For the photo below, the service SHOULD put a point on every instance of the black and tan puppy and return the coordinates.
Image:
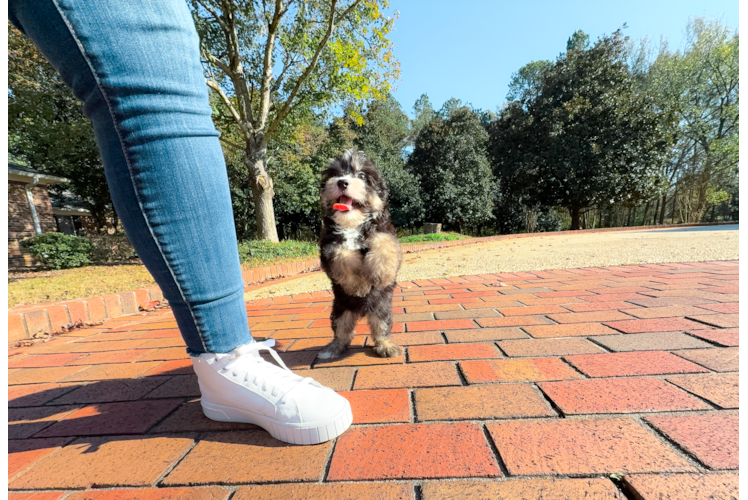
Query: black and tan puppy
(359, 252)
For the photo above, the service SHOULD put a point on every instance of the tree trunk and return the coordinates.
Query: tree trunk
(574, 217)
(675, 200)
(654, 214)
(644, 218)
(262, 190)
(662, 210)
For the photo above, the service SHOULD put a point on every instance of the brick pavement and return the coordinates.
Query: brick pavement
(524, 385)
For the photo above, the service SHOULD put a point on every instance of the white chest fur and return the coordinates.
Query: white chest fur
(351, 238)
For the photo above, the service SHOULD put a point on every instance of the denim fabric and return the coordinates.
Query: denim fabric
(135, 65)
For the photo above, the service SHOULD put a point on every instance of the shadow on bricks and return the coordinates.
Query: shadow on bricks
(107, 411)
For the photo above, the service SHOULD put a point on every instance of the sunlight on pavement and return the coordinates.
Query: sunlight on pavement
(690, 244)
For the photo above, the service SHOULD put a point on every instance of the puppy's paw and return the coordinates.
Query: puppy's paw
(381, 280)
(387, 349)
(332, 350)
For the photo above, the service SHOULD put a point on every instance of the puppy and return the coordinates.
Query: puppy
(359, 252)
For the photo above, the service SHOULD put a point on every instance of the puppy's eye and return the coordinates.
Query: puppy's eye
(361, 176)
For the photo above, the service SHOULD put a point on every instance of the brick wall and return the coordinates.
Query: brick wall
(20, 222)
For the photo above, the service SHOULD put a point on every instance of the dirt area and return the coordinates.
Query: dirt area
(551, 251)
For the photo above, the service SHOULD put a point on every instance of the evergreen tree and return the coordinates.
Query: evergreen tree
(454, 173)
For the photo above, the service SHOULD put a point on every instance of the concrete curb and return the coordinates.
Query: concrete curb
(27, 321)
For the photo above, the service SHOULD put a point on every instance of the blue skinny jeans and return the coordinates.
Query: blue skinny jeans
(135, 65)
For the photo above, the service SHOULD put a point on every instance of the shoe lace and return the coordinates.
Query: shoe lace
(282, 379)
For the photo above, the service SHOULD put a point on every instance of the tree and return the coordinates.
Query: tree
(48, 130)
(454, 174)
(578, 41)
(383, 135)
(526, 82)
(590, 135)
(423, 112)
(701, 85)
(272, 63)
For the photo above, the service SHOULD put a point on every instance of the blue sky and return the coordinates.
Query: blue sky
(470, 52)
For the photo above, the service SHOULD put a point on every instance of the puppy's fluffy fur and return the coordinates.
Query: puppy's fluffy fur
(359, 252)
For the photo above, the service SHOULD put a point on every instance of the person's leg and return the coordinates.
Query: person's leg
(136, 67)
(135, 64)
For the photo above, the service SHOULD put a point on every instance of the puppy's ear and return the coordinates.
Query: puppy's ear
(382, 189)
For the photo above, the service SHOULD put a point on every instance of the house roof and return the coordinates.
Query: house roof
(67, 204)
(21, 173)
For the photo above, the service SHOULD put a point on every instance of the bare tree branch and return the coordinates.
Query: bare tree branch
(234, 113)
(286, 108)
(212, 12)
(287, 64)
(231, 144)
(267, 65)
(238, 78)
(221, 65)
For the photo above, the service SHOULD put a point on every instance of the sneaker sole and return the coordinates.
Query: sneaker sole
(302, 433)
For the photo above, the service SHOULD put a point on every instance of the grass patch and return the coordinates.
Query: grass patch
(38, 287)
(264, 253)
(417, 238)
(80, 283)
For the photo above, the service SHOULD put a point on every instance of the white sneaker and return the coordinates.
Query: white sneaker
(240, 386)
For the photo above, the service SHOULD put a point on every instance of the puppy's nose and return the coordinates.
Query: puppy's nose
(342, 184)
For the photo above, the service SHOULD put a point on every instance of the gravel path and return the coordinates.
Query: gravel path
(550, 252)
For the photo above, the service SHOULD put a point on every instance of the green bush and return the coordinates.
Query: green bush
(264, 252)
(417, 238)
(60, 251)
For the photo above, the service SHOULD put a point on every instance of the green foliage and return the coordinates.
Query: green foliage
(416, 238)
(548, 220)
(423, 112)
(526, 83)
(578, 41)
(48, 130)
(701, 86)
(356, 62)
(590, 136)
(274, 66)
(382, 136)
(259, 252)
(60, 251)
(454, 174)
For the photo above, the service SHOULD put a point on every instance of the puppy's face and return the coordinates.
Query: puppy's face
(352, 190)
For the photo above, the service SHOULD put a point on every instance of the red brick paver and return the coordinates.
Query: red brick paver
(481, 402)
(719, 360)
(684, 486)
(348, 491)
(209, 493)
(718, 388)
(548, 347)
(711, 437)
(537, 488)
(447, 352)
(582, 446)
(552, 375)
(619, 395)
(379, 406)
(263, 459)
(103, 462)
(413, 451)
(429, 375)
(632, 363)
(517, 370)
(727, 338)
